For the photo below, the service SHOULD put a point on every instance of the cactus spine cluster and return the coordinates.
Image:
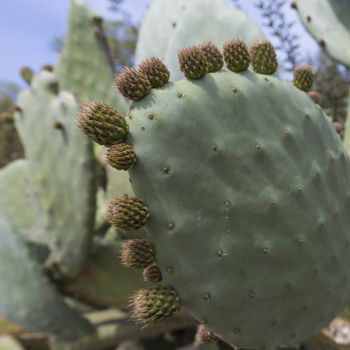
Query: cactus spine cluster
(227, 167)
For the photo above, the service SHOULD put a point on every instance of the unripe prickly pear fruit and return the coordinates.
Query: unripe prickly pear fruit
(132, 84)
(102, 123)
(315, 96)
(303, 77)
(152, 274)
(155, 304)
(193, 62)
(127, 213)
(213, 57)
(236, 55)
(27, 74)
(121, 156)
(155, 71)
(137, 253)
(263, 56)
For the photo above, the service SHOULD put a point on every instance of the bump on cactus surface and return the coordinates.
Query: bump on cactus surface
(128, 213)
(121, 156)
(236, 55)
(102, 123)
(133, 84)
(213, 57)
(303, 77)
(137, 253)
(193, 62)
(204, 335)
(152, 274)
(263, 56)
(155, 304)
(155, 71)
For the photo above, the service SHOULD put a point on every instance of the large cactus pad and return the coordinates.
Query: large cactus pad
(243, 186)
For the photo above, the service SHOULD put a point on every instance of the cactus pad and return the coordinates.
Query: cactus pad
(83, 68)
(61, 168)
(253, 196)
(329, 22)
(18, 201)
(27, 298)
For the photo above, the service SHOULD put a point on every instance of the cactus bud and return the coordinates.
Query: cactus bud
(27, 74)
(303, 78)
(152, 274)
(47, 67)
(102, 123)
(133, 84)
(263, 56)
(204, 335)
(121, 156)
(155, 304)
(193, 62)
(156, 72)
(213, 57)
(127, 213)
(337, 127)
(315, 96)
(137, 253)
(236, 55)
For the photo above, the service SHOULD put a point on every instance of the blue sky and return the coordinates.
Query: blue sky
(28, 26)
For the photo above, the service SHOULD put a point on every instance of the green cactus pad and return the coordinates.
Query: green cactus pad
(83, 67)
(249, 201)
(18, 201)
(27, 298)
(61, 168)
(158, 25)
(208, 20)
(329, 22)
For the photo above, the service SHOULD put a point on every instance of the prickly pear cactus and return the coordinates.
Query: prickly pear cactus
(27, 298)
(242, 185)
(174, 25)
(62, 168)
(329, 22)
(83, 68)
